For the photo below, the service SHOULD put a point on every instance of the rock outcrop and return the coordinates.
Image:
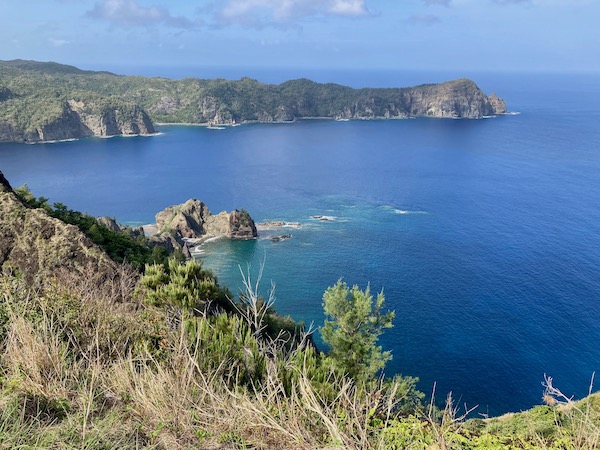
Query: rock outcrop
(498, 104)
(171, 241)
(109, 223)
(39, 247)
(113, 120)
(241, 225)
(112, 225)
(78, 120)
(454, 99)
(193, 220)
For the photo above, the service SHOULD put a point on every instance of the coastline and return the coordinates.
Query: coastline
(335, 119)
(57, 141)
(220, 126)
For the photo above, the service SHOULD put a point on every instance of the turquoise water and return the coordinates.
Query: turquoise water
(484, 235)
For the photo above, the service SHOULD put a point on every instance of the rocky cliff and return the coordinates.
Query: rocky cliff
(193, 220)
(39, 247)
(78, 119)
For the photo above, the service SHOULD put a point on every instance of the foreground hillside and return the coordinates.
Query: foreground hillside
(166, 358)
(49, 101)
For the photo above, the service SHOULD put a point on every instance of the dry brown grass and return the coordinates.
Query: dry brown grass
(179, 402)
(82, 368)
(78, 351)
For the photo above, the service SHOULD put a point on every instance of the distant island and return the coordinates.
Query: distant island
(47, 101)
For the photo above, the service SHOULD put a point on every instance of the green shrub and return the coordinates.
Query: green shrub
(185, 285)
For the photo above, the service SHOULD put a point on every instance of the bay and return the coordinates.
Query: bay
(483, 234)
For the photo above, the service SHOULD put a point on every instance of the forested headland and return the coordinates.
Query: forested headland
(48, 101)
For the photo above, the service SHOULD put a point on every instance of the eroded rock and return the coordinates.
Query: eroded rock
(193, 220)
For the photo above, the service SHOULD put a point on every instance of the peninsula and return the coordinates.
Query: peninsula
(47, 101)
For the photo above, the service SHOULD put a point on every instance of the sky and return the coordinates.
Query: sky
(469, 35)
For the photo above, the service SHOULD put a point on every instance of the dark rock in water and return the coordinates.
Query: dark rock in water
(279, 224)
(283, 237)
(323, 218)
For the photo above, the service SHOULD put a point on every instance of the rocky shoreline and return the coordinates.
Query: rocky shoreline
(277, 224)
(186, 226)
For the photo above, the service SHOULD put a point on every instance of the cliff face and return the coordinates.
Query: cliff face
(497, 104)
(454, 99)
(79, 120)
(192, 219)
(113, 121)
(39, 247)
(241, 225)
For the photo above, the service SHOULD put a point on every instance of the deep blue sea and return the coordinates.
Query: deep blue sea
(483, 234)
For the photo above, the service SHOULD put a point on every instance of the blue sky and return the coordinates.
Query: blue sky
(469, 35)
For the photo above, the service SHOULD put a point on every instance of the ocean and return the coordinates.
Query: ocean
(483, 234)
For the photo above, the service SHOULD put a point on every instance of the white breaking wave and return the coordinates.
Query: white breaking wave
(324, 218)
(408, 212)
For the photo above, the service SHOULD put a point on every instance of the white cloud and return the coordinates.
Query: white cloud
(130, 13)
(348, 7)
(58, 42)
(261, 12)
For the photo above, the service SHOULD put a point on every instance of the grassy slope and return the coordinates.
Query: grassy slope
(80, 369)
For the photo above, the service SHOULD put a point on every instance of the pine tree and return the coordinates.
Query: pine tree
(352, 328)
